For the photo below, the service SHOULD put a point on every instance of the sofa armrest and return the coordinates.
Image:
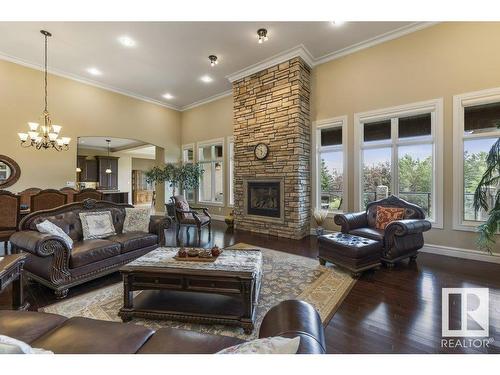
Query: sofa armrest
(405, 227)
(294, 318)
(351, 221)
(40, 244)
(158, 225)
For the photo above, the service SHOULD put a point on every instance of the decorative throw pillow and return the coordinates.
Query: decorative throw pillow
(9, 345)
(136, 220)
(184, 206)
(49, 227)
(268, 345)
(97, 225)
(386, 215)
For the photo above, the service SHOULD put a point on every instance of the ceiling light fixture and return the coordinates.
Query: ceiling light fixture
(262, 34)
(94, 71)
(47, 135)
(213, 60)
(168, 96)
(206, 79)
(127, 41)
(337, 23)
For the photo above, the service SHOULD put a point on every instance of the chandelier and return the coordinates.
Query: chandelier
(47, 135)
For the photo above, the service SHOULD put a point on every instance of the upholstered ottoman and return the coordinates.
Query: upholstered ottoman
(357, 254)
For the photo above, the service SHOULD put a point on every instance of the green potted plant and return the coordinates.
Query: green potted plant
(482, 198)
(184, 176)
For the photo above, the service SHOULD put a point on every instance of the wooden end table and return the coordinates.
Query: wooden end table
(11, 272)
(223, 292)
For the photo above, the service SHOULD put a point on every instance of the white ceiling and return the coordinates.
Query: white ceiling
(170, 57)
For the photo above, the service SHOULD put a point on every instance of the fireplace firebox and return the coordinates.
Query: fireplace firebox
(264, 198)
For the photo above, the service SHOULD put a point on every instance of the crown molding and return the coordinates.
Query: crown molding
(86, 81)
(382, 38)
(207, 100)
(298, 51)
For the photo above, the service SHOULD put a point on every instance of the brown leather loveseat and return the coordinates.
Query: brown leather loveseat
(52, 264)
(88, 336)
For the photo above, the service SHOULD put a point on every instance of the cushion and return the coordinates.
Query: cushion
(91, 251)
(134, 240)
(136, 220)
(48, 227)
(203, 218)
(269, 345)
(9, 345)
(371, 233)
(27, 326)
(386, 215)
(183, 205)
(97, 225)
(88, 336)
(181, 341)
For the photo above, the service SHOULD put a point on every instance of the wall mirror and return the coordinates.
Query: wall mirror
(9, 172)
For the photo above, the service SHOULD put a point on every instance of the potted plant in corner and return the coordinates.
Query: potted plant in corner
(185, 176)
(487, 197)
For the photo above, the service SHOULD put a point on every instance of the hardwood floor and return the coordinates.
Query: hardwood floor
(388, 311)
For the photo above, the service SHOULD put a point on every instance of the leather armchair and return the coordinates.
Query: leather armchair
(400, 239)
(187, 216)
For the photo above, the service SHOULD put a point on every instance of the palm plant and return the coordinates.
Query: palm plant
(491, 177)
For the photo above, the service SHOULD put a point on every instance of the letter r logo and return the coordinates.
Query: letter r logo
(471, 306)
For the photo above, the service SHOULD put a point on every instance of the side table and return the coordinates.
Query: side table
(11, 272)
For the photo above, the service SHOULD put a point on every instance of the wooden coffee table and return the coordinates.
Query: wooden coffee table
(223, 292)
(11, 272)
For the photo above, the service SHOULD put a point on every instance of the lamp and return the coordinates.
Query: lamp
(262, 34)
(47, 135)
(108, 170)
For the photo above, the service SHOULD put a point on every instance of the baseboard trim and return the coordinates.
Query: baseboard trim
(218, 217)
(456, 252)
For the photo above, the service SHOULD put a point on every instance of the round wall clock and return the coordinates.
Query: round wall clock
(261, 151)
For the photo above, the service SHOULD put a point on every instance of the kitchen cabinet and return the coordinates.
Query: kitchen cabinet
(107, 181)
(88, 169)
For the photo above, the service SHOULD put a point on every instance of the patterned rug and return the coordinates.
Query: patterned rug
(285, 276)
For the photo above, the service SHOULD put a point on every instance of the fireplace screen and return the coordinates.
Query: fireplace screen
(264, 198)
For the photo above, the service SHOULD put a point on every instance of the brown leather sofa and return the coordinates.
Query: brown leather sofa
(52, 264)
(400, 239)
(88, 336)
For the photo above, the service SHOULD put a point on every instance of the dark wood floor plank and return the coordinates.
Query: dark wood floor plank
(387, 311)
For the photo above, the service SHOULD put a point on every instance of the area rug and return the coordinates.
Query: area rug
(285, 276)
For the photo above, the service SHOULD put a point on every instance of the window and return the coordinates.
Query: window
(330, 164)
(211, 159)
(475, 117)
(398, 155)
(231, 170)
(188, 158)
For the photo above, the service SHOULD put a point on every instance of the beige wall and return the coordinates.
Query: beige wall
(440, 61)
(141, 164)
(82, 110)
(210, 121)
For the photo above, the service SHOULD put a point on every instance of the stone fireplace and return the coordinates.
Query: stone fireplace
(273, 196)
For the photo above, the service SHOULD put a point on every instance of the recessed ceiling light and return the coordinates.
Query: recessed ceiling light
(127, 41)
(206, 79)
(168, 96)
(94, 71)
